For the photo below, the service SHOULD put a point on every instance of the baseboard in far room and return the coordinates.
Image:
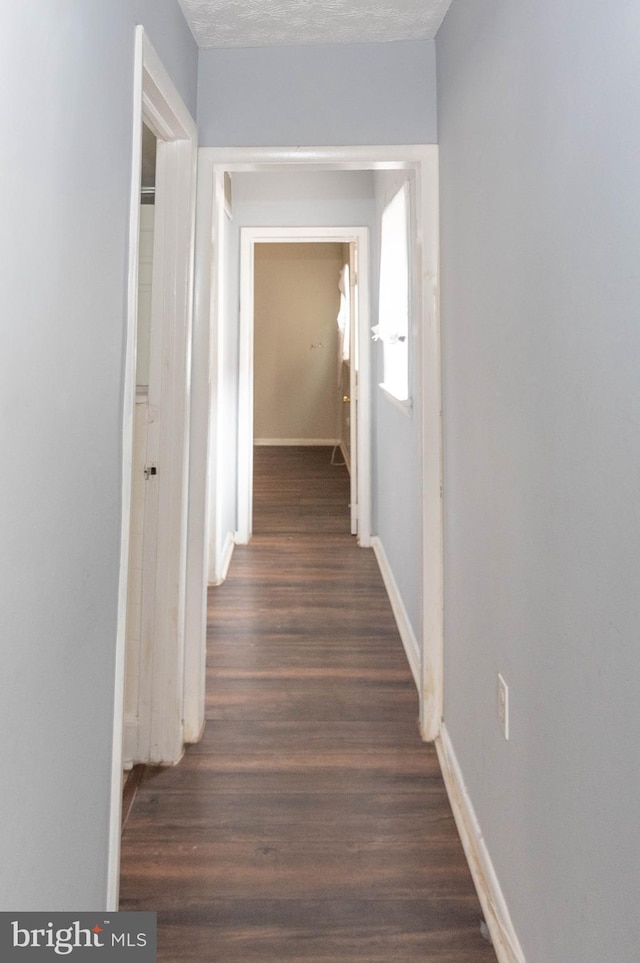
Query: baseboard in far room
(297, 442)
(223, 563)
(405, 629)
(496, 914)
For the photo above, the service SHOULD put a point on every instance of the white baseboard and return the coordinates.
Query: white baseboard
(290, 442)
(223, 563)
(496, 914)
(405, 629)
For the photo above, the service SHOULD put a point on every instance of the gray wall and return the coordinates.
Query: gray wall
(540, 144)
(397, 451)
(65, 156)
(328, 94)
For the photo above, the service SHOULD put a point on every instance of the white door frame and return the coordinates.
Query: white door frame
(423, 159)
(249, 237)
(162, 692)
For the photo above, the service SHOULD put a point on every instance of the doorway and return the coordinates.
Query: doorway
(356, 242)
(302, 359)
(217, 410)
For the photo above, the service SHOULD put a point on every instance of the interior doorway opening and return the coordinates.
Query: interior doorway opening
(214, 494)
(298, 352)
(325, 361)
(302, 411)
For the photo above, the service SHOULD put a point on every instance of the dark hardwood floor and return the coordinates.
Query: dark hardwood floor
(311, 824)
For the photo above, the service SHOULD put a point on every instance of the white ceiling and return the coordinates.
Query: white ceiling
(262, 23)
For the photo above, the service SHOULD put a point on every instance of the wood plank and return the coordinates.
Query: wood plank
(194, 872)
(323, 931)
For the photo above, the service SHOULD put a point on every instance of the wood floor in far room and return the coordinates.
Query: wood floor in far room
(311, 824)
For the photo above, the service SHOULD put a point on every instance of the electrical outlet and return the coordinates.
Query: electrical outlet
(503, 706)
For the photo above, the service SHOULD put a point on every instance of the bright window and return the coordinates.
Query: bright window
(393, 317)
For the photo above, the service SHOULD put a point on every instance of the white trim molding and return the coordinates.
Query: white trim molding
(336, 158)
(432, 647)
(496, 913)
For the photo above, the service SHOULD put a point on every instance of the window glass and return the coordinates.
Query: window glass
(393, 317)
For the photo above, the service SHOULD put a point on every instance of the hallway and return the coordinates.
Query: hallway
(311, 824)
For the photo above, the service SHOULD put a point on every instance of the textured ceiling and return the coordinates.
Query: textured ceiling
(261, 23)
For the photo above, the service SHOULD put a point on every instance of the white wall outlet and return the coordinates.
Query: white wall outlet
(503, 706)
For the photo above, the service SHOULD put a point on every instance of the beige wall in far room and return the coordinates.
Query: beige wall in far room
(296, 393)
